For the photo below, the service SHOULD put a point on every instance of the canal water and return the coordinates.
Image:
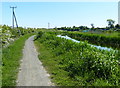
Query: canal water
(98, 47)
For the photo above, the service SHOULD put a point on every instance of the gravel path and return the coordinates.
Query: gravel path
(32, 73)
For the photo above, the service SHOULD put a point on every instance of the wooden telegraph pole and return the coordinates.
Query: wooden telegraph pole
(48, 25)
(14, 17)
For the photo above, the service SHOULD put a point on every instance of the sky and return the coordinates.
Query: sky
(59, 14)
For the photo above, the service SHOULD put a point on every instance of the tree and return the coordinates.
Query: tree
(110, 23)
(92, 25)
(117, 26)
(83, 27)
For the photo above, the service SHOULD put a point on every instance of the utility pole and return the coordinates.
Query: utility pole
(14, 17)
(48, 25)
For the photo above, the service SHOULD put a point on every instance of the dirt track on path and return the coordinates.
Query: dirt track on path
(32, 73)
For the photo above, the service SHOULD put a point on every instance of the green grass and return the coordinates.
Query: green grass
(0, 76)
(58, 76)
(0, 73)
(77, 64)
(11, 56)
(104, 39)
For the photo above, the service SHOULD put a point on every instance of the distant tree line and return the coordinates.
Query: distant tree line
(110, 27)
(73, 28)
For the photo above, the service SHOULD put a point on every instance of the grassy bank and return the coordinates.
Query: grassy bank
(49, 61)
(0, 66)
(77, 64)
(11, 56)
(105, 39)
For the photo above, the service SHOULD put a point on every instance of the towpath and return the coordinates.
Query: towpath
(32, 73)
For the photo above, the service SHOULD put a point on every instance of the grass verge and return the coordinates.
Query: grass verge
(58, 76)
(11, 56)
(0, 66)
(77, 64)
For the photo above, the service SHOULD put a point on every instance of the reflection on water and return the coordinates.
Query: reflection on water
(99, 47)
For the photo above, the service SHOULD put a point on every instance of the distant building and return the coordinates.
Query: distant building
(119, 12)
